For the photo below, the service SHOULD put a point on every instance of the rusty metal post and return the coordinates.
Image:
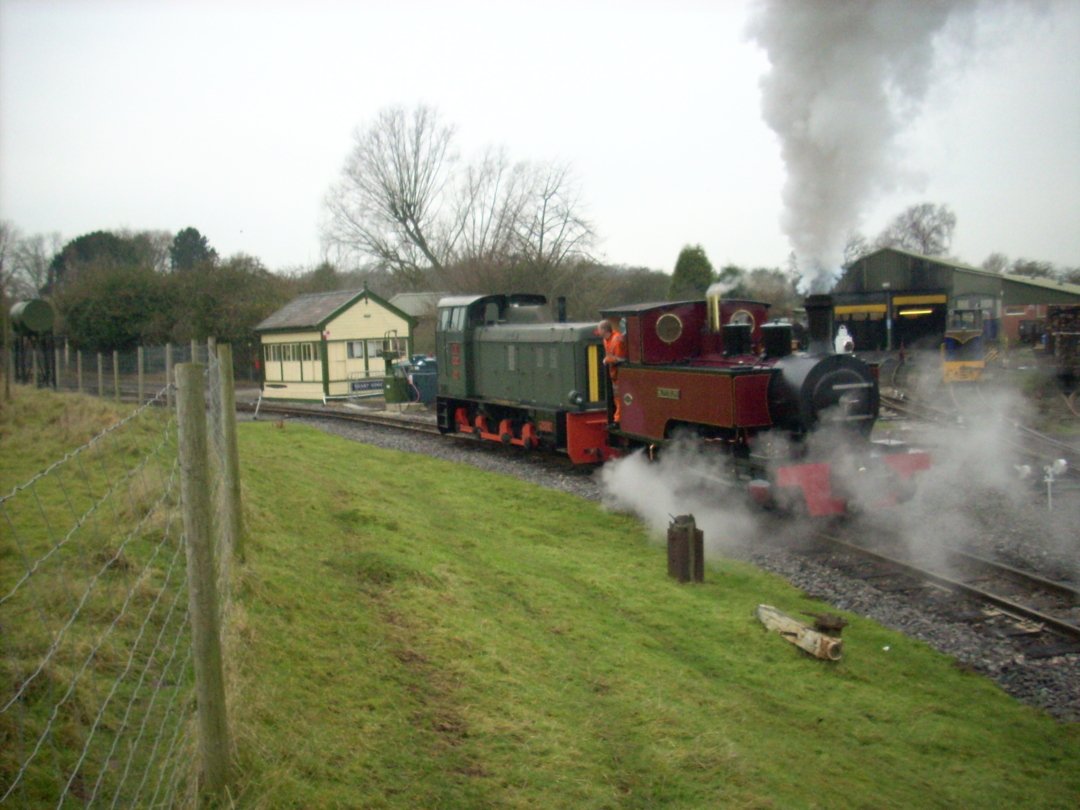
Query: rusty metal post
(686, 550)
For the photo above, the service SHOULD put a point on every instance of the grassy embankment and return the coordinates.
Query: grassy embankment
(415, 634)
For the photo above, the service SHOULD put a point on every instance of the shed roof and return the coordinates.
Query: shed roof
(417, 304)
(315, 310)
(1043, 283)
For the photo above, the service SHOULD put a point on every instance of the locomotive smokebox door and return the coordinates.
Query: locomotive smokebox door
(686, 552)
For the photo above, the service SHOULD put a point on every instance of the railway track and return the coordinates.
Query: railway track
(998, 599)
(382, 419)
(1040, 449)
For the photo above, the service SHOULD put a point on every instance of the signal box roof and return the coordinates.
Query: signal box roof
(314, 311)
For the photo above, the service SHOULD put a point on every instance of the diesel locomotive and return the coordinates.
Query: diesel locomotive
(714, 370)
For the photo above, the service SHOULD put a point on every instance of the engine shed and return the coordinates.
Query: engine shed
(332, 345)
(892, 299)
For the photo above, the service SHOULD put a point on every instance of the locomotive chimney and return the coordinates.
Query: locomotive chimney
(560, 309)
(819, 316)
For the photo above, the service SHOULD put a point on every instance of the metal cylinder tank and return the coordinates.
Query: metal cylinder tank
(33, 317)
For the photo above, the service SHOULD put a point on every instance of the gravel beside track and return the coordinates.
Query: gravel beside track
(1016, 530)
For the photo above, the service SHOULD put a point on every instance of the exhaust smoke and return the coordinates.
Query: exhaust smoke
(845, 78)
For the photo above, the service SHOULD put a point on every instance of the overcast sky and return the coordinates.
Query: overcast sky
(235, 117)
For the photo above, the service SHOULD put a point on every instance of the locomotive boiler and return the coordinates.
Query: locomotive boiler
(713, 370)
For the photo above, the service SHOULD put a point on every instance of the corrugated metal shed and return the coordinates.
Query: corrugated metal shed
(891, 268)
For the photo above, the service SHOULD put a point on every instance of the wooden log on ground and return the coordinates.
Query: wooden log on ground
(800, 634)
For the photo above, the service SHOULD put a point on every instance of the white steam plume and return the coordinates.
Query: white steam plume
(846, 75)
(686, 480)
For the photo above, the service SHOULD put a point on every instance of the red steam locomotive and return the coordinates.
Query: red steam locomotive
(795, 425)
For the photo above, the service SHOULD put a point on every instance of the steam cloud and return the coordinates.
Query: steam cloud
(845, 77)
(687, 479)
(972, 485)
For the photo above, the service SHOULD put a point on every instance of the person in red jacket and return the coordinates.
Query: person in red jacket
(614, 354)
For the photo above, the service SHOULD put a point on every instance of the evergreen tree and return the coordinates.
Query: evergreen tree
(693, 274)
(190, 249)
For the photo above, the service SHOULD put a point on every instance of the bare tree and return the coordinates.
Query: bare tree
(924, 228)
(405, 202)
(491, 202)
(996, 263)
(855, 248)
(552, 232)
(8, 236)
(31, 259)
(1033, 269)
(387, 203)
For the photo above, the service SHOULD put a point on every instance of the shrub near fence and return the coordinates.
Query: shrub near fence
(113, 581)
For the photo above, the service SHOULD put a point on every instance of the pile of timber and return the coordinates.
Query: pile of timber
(1063, 327)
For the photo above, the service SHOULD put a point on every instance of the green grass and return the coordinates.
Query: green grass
(407, 633)
(416, 634)
(85, 556)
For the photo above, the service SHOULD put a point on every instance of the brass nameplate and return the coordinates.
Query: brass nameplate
(667, 393)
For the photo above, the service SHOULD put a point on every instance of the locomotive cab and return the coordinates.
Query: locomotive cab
(459, 318)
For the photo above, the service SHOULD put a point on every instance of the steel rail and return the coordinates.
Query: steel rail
(1006, 605)
(382, 420)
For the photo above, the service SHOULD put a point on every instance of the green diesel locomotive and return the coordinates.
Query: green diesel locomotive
(508, 372)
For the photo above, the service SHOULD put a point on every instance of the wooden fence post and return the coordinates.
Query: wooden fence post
(139, 362)
(202, 594)
(56, 376)
(233, 521)
(168, 376)
(9, 351)
(78, 369)
(9, 368)
(116, 374)
(686, 559)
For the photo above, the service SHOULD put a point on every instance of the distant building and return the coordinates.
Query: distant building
(892, 298)
(423, 307)
(330, 345)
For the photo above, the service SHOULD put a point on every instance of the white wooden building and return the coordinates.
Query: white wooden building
(332, 345)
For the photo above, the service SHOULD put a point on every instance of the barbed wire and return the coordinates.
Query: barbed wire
(97, 638)
(80, 522)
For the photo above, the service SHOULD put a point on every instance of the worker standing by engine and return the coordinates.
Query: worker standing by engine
(614, 354)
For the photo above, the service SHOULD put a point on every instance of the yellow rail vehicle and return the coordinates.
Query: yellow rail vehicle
(963, 352)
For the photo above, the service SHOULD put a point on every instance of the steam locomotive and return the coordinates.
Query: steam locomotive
(713, 370)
